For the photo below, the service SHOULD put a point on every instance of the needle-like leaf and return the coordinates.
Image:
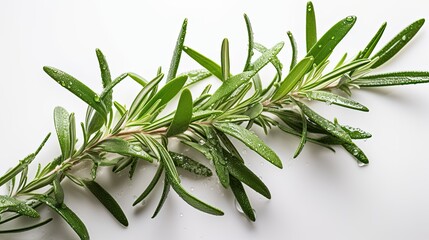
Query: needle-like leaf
(397, 43)
(175, 60)
(392, 79)
(292, 78)
(62, 127)
(225, 59)
(120, 146)
(332, 98)
(242, 199)
(10, 204)
(329, 126)
(68, 215)
(205, 62)
(77, 88)
(107, 200)
(251, 140)
(323, 48)
(183, 114)
(310, 26)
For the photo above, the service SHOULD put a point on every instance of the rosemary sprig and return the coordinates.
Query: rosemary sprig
(120, 138)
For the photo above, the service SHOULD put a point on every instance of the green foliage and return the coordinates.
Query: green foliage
(121, 137)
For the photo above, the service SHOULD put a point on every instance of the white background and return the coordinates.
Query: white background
(320, 195)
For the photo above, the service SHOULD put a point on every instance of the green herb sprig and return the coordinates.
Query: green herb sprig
(123, 138)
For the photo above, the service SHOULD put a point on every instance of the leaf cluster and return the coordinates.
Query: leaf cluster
(123, 138)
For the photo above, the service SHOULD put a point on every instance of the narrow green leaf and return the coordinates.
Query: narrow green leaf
(251, 140)
(107, 200)
(228, 87)
(58, 191)
(195, 76)
(151, 185)
(141, 98)
(164, 195)
(254, 111)
(293, 78)
(167, 161)
(10, 204)
(108, 88)
(16, 230)
(397, 43)
(205, 62)
(191, 200)
(225, 59)
(326, 44)
(294, 50)
(190, 165)
(72, 131)
(183, 114)
(333, 76)
(356, 152)
(68, 215)
(332, 98)
(94, 121)
(229, 145)
(42, 144)
(203, 114)
(341, 61)
(329, 126)
(366, 52)
(237, 80)
(214, 152)
(242, 199)
(121, 109)
(303, 136)
(62, 127)
(120, 146)
(175, 60)
(274, 59)
(242, 173)
(105, 77)
(392, 79)
(77, 88)
(17, 169)
(311, 30)
(137, 78)
(166, 93)
(247, 66)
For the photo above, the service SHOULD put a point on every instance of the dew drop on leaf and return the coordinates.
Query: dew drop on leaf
(96, 98)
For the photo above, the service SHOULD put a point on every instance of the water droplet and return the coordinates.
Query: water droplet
(238, 207)
(355, 152)
(350, 19)
(361, 164)
(333, 37)
(136, 148)
(309, 9)
(244, 151)
(63, 83)
(96, 98)
(202, 142)
(181, 215)
(192, 189)
(404, 37)
(320, 46)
